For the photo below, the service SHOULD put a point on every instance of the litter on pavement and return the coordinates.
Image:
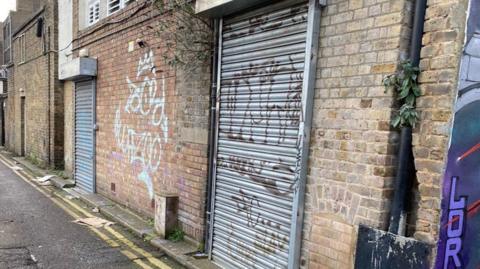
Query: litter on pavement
(94, 222)
(44, 179)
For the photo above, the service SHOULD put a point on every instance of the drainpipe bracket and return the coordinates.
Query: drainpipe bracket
(322, 2)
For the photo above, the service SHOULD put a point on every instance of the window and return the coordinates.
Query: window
(93, 12)
(7, 41)
(116, 5)
(113, 6)
(21, 48)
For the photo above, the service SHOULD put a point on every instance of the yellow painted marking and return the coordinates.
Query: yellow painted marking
(124, 240)
(129, 254)
(7, 161)
(142, 264)
(135, 259)
(104, 237)
(158, 263)
(144, 253)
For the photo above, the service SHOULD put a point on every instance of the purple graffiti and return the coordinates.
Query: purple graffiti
(455, 229)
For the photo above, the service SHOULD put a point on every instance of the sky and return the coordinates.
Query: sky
(5, 7)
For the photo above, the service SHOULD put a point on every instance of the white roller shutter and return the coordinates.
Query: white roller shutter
(85, 135)
(261, 135)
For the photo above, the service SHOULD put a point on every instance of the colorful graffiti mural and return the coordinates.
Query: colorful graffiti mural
(459, 243)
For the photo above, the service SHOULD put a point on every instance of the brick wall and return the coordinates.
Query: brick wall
(353, 149)
(10, 111)
(139, 142)
(35, 80)
(1, 43)
(440, 58)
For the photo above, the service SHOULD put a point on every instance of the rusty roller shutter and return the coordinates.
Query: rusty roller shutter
(260, 136)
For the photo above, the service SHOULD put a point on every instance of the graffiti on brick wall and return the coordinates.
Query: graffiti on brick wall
(459, 241)
(141, 123)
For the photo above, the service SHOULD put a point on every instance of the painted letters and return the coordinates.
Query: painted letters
(455, 226)
(459, 242)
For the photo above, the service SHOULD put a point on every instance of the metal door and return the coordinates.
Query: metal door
(23, 123)
(85, 135)
(267, 66)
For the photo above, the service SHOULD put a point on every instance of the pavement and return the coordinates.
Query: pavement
(37, 230)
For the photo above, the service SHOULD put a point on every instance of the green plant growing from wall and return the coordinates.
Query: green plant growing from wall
(176, 235)
(405, 85)
(188, 37)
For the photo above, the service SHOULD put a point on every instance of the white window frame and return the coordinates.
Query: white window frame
(121, 4)
(93, 12)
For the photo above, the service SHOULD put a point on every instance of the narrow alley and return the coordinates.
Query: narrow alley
(240, 134)
(37, 231)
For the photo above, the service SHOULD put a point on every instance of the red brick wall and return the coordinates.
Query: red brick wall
(158, 134)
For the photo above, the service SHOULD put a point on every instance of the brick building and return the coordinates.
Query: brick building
(24, 9)
(150, 120)
(1, 43)
(3, 88)
(138, 129)
(35, 104)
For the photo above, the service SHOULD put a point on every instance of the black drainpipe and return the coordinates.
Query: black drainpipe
(406, 167)
(212, 139)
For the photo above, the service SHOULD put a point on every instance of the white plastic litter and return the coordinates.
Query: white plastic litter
(44, 179)
(94, 222)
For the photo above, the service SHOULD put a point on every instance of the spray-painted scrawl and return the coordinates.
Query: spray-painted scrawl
(459, 244)
(142, 146)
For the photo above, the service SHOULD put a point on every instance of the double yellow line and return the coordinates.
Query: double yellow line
(116, 235)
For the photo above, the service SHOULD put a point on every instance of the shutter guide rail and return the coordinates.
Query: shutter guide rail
(313, 35)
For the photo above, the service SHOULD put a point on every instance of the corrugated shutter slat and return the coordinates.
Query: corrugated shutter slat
(84, 136)
(262, 70)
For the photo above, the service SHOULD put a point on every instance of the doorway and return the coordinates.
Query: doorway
(23, 127)
(85, 135)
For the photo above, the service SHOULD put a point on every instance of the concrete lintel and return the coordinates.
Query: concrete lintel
(78, 68)
(220, 8)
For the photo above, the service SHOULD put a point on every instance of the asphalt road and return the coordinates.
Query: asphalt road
(36, 233)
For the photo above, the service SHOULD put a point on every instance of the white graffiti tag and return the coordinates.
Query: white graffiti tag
(143, 147)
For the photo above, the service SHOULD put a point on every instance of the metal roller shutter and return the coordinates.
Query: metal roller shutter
(260, 136)
(84, 135)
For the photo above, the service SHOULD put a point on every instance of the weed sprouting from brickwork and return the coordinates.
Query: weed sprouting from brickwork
(188, 37)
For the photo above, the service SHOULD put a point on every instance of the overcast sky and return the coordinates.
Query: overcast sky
(5, 7)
